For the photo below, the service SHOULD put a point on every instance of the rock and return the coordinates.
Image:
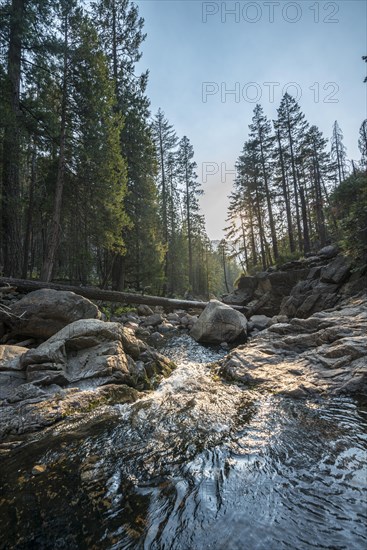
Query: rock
(279, 319)
(43, 313)
(184, 321)
(173, 317)
(11, 374)
(264, 293)
(153, 320)
(133, 326)
(324, 354)
(80, 367)
(260, 322)
(244, 293)
(337, 271)
(219, 323)
(9, 357)
(27, 392)
(28, 416)
(165, 328)
(39, 469)
(86, 352)
(142, 333)
(144, 310)
(224, 345)
(321, 290)
(156, 338)
(329, 251)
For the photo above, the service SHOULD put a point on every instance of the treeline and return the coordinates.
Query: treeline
(92, 189)
(285, 201)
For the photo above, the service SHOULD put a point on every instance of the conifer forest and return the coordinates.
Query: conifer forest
(98, 189)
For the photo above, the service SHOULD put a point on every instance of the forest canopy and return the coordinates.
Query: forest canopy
(97, 189)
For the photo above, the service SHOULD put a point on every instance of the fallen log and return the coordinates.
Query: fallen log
(94, 293)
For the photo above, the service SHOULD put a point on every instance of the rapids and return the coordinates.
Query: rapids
(197, 464)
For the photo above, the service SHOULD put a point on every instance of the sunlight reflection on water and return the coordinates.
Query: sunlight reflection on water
(198, 464)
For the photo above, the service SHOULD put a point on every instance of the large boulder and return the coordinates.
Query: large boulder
(86, 353)
(219, 323)
(43, 313)
(87, 364)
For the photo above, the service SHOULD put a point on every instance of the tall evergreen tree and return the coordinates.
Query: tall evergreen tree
(338, 153)
(191, 191)
(260, 133)
(165, 141)
(292, 126)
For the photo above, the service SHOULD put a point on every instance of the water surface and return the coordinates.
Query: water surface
(197, 464)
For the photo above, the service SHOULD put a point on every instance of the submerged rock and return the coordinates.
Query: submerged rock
(219, 323)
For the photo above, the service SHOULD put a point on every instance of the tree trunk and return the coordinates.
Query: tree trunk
(224, 269)
(268, 202)
(286, 197)
(189, 236)
(319, 202)
(11, 148)
(261, 231)
(164, 204)
(94, 293)
(27, 238)
(295, 185)
(244, 242)
(306, 235)
(53, 243)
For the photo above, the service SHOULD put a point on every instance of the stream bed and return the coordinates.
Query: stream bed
(197, 464)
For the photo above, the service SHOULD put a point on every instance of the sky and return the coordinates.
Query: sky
(211, 62)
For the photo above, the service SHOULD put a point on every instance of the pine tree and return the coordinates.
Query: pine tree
(338, 153)
(285, 194)
(260, 133)
(165, 141)
(26, 43)
(318, 166)
(191, 191)
(10, 193)
(292, 126)
(68, 8)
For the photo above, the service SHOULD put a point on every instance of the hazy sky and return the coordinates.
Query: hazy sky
(198, 52)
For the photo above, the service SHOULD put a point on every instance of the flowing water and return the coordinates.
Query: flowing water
(197, 464)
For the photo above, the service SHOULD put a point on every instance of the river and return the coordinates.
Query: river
(197, 464)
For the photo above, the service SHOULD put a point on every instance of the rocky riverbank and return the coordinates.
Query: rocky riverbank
(60, 358)
(324, 354)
